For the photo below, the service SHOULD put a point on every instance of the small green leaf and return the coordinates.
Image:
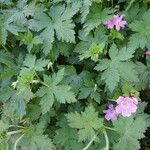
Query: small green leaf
(118, 68)
(94, 51)
(87, 122)
(52, 90)
(130, 130)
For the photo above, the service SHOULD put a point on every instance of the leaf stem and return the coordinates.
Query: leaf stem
(129, 5)
(107, 140)
(17, 126)
(14, 132)
(112, 3)
(5, 48)
(89, 144)
(44, 84)
(110, 128)
(40, 79)
(17, 141)
(112, 100)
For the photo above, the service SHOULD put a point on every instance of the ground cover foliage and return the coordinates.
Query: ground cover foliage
(62, 63)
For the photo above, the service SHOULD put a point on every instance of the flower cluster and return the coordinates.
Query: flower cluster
(125, 107)
(118, 22)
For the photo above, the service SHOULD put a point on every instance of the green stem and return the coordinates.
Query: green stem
(112, 100)
(89, 144)
(5, 48)
(52, 69)
(40, 79)
(110, 128)
(17, 141)
(129, 5)
(108, 2)
(17, 126)
(14, 132)
(112, 3)
(21, 127)
(107, 140)
(44, 84)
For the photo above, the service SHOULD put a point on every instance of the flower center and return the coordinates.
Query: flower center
(125, 104)
(118, 24)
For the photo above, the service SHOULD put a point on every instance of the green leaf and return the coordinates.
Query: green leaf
(11, 69)
(85, 9)
(7, 2)
(23, 93)
(94, 52)
(87, 122)
(113, 51)
(16, 103)
(31, 63)
(144, 74)
(6, 25)
(89, 89)
(140, 39)
(119, 68)
(60, 48)
(59, 22)
(35, 139)
(16, 100)
(6, 93)
(47, 98)
(125, 53)
(128, 90)
(92, 44)
(70, 140)
(3, 126)
(58, 77)
(33, 112)
(130, 73)
(116, 35)
(13, 20)
(63, 94)
(53, 90)
(29, 40)
(130, 130)
(111, 77)
(96, 17)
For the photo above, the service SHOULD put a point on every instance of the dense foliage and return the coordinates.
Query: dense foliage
(62, 63)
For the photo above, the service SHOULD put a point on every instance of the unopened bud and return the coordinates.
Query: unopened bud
(14, 84)
(35, 81)
(49, 65)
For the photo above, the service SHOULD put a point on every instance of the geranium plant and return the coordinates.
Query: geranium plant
(74, 74)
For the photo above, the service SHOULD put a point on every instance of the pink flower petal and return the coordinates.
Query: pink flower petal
(126, 106)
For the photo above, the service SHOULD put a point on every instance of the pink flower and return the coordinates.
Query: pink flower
(110, 113)
(109, 24)
(118, 22)
(126, 106)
